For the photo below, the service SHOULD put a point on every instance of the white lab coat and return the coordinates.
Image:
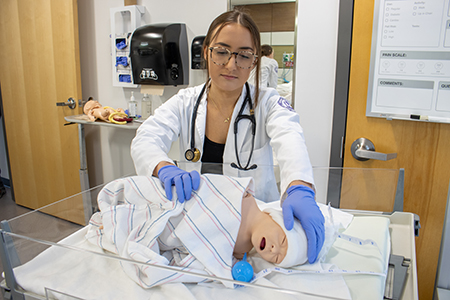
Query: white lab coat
(277, 127)
(268, 75)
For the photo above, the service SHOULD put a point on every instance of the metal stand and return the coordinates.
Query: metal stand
(10, 259)
(84, 177)
(82, 120)
(396, 280)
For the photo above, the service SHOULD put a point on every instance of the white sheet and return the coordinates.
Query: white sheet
(90, 276)
(285, 90)
(355, 257)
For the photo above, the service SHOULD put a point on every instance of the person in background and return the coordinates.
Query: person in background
(230, 122)
(269, 69)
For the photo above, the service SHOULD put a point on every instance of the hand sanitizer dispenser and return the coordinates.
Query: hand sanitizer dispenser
(198, 62)
(159, 55)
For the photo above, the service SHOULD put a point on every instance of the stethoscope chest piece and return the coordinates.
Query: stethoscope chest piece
(192, 155)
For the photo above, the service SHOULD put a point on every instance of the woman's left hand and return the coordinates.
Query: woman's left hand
(300, 203)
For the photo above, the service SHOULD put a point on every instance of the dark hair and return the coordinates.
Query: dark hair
(236, 16)
(266, 50)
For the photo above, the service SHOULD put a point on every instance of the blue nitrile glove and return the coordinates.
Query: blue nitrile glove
(301, 204)
(184, 181)
(121, 44)
(121, 60)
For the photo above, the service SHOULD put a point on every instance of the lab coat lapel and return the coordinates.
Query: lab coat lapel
(200, 124)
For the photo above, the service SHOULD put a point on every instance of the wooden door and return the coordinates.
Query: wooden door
(422, 148)
(40, 67)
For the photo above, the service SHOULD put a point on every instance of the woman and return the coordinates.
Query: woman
(265, 122)
(269, 68)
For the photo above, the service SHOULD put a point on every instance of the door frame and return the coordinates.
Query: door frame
(339, 123)
(342, 80)
(5, 138)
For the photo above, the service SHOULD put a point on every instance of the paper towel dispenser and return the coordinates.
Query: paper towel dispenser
(159, 55)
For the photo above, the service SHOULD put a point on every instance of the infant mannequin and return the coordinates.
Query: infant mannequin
(265, 231)
(138, 222)
(95, 110)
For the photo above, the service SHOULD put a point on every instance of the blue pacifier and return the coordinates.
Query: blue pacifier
(242, 271)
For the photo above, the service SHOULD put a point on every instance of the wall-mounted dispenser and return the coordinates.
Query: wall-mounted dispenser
(124, 20)
(197, 60)
(159, 55)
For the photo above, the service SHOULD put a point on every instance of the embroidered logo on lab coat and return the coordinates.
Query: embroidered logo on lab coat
(284, 103)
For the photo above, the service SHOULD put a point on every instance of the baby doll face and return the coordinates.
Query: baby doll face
(269, 240)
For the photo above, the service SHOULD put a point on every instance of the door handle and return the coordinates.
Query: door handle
(71, 103)
(363, 149)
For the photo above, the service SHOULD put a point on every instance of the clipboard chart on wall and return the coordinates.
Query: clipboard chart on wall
(409, 75)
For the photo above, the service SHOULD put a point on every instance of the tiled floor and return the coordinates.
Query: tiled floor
(8, 208)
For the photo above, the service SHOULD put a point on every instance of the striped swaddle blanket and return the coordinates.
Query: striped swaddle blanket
(137, 222)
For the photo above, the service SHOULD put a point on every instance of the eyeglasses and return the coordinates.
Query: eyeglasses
(244, 59)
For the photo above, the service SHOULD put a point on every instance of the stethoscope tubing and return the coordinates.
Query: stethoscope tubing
(239, 117)
(251, 118)
(194, 115)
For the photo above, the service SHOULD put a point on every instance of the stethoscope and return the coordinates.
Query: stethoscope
(193, 154)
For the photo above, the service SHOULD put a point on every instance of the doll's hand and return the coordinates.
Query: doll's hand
(184, 181)
(301, 204)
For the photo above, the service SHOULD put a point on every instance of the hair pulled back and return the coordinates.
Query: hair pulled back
(235, 16)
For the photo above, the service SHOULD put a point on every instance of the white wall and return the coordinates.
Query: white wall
(107, 148)
(317, 25)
